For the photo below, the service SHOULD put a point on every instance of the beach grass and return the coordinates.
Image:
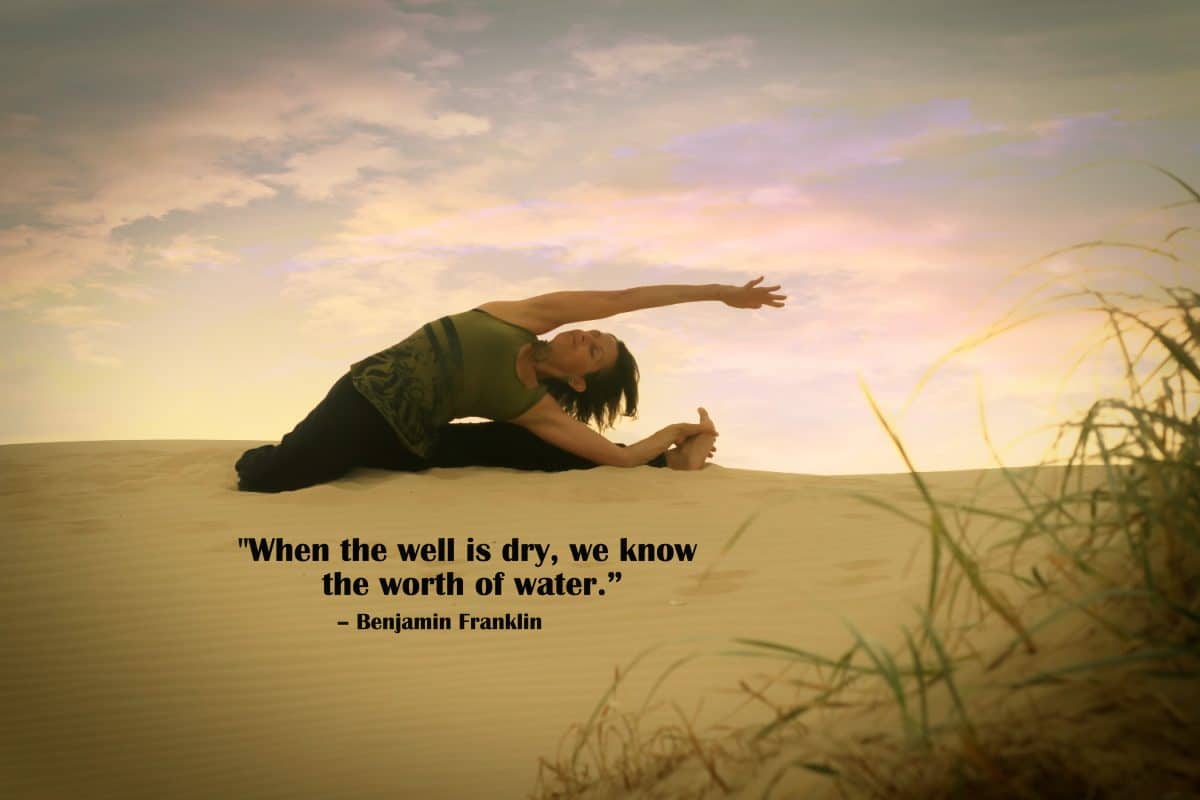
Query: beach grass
(1061, 660)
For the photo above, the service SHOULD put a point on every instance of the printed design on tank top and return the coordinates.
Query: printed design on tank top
(416, 378)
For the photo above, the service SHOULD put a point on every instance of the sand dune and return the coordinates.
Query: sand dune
(148, 655)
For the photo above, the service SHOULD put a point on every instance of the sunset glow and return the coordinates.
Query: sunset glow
(209, 211)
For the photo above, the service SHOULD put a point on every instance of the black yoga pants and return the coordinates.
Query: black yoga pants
(345, 431)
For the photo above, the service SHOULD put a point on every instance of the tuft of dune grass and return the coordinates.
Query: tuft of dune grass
(1063, 661)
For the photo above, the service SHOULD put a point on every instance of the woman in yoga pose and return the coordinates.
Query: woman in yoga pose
(391, 410)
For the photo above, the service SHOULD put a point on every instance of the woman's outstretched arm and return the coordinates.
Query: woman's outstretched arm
(548, 311)
(549, 422)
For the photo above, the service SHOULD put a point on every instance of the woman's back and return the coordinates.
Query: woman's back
(463, 365)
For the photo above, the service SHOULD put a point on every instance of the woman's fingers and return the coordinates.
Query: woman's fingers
(755, 296)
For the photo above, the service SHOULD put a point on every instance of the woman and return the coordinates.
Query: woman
(389, 410)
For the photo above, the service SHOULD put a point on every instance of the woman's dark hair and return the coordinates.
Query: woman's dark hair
(601, 400)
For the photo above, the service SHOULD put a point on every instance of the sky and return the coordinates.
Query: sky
(209, 210)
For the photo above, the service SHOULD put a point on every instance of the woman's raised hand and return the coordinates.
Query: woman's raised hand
(753, 296)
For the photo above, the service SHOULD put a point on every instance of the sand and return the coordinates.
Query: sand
(147, 655)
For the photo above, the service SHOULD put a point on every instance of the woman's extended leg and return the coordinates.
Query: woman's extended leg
(344, 431)
(503, 444)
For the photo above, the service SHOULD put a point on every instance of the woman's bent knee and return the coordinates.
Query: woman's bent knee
(270, 469)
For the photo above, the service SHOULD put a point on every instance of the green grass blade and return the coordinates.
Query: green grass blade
(948, 672)
(1054, 675)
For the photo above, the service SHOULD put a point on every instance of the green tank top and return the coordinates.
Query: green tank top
(458, 366)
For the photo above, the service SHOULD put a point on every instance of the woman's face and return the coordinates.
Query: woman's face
(581, 352)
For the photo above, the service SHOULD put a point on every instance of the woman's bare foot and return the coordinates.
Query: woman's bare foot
(694, 452)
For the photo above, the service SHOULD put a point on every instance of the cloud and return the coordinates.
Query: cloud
(306, 99)
(772, 226)
(16, 125)
(84, 326)
(37, 260)
(654, 56)
(187, 252)
(172, 99)
(315, 173)
(1063, 134)
(382, 299)
(751, 216)
(802, 142)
